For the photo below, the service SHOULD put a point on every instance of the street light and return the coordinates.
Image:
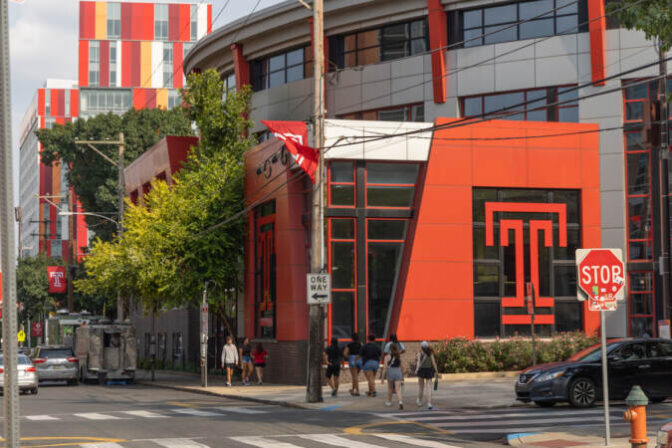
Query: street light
(62, 213)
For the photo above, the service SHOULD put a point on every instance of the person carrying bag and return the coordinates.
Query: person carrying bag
(426, 370)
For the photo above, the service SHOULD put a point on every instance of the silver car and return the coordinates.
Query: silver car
(56, 363)
(27, 375)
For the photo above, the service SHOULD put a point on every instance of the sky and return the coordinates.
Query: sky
(43, 44)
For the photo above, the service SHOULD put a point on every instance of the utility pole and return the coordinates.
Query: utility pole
(316, 315)
(119, 163)
(12, 433)
(664, 183)
(72, 253)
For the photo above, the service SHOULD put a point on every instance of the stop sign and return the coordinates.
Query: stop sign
(601, 277)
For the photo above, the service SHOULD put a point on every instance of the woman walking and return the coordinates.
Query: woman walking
(392, 372)
(425, 370)
(334, 359)
(229, 359)
(370, 355)
(245, 352)
(351, 353)
(259, 357)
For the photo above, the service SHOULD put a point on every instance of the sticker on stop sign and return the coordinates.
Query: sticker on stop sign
(601, 278)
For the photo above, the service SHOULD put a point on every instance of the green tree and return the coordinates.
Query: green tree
(32, 286)
(653, 17)
(193, 231)
(94, 179)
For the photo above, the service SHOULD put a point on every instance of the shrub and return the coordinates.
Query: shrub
(458, 355)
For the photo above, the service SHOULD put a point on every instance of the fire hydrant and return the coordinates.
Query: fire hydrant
(636, 415)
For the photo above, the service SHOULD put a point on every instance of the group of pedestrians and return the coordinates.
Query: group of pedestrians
(246, 358)
(366, 358)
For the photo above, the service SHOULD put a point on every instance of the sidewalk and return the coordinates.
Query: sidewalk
(576, 438)
(479, 390)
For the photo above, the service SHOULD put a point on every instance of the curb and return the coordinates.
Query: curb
(512, 439)
(478, 375)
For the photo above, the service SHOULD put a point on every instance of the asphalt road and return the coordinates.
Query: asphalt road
(143, 416)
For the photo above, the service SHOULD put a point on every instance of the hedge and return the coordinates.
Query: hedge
(459, 355)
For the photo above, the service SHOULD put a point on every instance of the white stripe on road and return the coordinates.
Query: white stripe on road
(145, 414)
(330, 439)
(504, 423)
(524, 429)
(96, 416)
(196, 412)
(41, 417)
(176, 443)
(444, 416)
(413, 441)
(237, 410)
(263, 442)
(489, 414)
(101, 445)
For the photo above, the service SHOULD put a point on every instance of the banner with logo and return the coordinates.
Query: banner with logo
(56, 279)
(295, 136)
(36, 329)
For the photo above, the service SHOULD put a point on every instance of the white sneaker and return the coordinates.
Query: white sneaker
(418, 402)
(388, 404)
(429, 406)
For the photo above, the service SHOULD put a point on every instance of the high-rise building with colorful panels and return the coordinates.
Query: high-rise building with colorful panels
(130, 54)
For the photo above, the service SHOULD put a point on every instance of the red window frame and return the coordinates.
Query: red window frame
(331, 239)
(367, 184)
(352, 184)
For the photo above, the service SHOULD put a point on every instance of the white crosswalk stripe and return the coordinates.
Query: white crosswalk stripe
(41, 417)
(101, 445)
(179, 443)
(237, 410)
(263, 442)
(414, 441)
(334, 440)
(196, 412)
(145, 414)
(96, 416)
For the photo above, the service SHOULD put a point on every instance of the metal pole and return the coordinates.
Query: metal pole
(314, 380)
(534, 338)
(605, 378)
(664, 185)
(7, 250)
(120, 226)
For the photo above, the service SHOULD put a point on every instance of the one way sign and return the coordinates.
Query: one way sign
(318, 289)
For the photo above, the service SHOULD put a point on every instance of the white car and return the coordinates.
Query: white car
(27, 375)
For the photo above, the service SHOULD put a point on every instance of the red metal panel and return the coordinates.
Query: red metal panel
(177, 64)
(53, 100)
(83, 63)
(150, 99)
(185, 23)
(87, 20)
(127, 62)
(139, 99)
(40, 102)
(241, 66)
(60, 120)
(61, 102)
(104, 63)
(135, 64)
(438, 36)
(74, 103)
(597, 27)
(209, 29)
(126, 21)
(147, 25)
(174, 22)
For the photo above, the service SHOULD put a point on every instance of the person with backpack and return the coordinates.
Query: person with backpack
(394, 340)
(245, 353)
(370, 355)
(334, 358)
(425, 369)
(392, 372)
(351, 353)
(229, 359)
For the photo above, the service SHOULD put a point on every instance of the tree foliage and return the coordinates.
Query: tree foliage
(169, 249)
(653, 17)
(94, 179)
(32, 286)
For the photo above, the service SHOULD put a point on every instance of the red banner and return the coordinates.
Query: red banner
(56, 278)
(36, 329)
(295, 136)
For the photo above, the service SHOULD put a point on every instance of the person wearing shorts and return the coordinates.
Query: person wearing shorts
(351, 353)
(229, 359)
(370, 356)
(425, 370)
(334, 358)
(245, 353)
(392, 372)
(259, 357)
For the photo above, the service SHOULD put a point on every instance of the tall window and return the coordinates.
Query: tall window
(281, 68)
(168, 64)
(229, 84)
(174, 98)
(94, 63)
(160, 22)
(47, 102)
(66, 95)
(113, 20)
(369, 210)
(513, 247)
(193, 11)
(265, 271)
(494, 24)
(381, 44)
(526, 101)
(186, 48)
(113, 63)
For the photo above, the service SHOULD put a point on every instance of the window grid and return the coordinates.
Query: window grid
(193, 11)
(160, 22)
(168, 64)
(94, 63)
(113, 63)
(113, 20)
(333, 184)
(282, 68)
(330, 255)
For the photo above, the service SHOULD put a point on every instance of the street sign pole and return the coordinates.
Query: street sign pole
(605, 377)
(204, 337)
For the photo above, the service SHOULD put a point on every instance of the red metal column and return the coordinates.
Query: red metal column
(438, 40)
(597, 28)
(241, 66)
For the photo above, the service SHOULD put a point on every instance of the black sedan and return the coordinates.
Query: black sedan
(645, 362)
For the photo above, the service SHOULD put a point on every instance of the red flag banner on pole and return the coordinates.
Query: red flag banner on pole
(56, 278)
(295, 136)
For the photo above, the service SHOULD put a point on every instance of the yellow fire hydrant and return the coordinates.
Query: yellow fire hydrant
(636, 416)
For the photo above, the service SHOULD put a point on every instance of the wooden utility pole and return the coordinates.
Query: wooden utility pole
(316, 315)
(664, 160)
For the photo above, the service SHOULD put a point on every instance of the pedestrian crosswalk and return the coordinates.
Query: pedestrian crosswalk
(514, 420)
(283, 441)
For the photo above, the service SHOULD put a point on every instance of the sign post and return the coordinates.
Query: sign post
(529, 295)
(601, 279)
(318, 289)
(204, 338)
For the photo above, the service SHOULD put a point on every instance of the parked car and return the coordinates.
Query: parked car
(645, 362)
(56, 363)
(26, 374)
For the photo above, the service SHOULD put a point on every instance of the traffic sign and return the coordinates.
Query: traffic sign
(21, 336)
(318, 289)
(600, 278)
(204, 318)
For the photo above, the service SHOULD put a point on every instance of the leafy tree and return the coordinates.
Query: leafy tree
(653, 17)
(32, 286)
(170, 249)
(94, 179)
